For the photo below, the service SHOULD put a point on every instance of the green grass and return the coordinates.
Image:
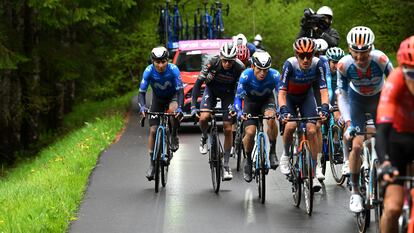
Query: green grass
(43, 195)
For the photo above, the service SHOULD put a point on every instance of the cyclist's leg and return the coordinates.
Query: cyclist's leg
(206, 104)
(175, 123)
(226, 101)
(318, 145)
(289, 129)
(308, 109)
(250, 107)
(269, 109)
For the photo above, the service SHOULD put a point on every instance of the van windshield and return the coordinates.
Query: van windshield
(192, 61)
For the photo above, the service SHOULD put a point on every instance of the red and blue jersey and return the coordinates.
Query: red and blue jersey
(296, 81)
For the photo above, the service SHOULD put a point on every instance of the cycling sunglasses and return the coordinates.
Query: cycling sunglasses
(228, 61)
(160, 61)
(408, 73)
(357, 48)
(307, 55)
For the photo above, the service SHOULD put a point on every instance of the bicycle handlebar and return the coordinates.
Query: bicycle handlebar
(304, 118)
(168, 114)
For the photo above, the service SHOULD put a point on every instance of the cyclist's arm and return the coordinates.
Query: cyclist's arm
(240, 92)
(282, 98)
(329, 81)
(276, 77)
(381, 140)
(196, 92)
(342, 92)
(179, 86)
(322, 83)
(283, 86)
(144, 86)
(331, 36)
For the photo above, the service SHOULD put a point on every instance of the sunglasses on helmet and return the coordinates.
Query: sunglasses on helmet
(408, 73)
(305, 55)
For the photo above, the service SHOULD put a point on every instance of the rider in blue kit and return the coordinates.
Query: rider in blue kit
(256, 86)
(167, 94)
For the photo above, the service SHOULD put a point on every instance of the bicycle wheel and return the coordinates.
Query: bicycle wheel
(376, 202)
(364, 217)
(295, 180)
(165, 164)
(307, 171)
(158, 160)
(215, 162)
(262, 171)
(238, 146)
(324, 154)
(336, 155)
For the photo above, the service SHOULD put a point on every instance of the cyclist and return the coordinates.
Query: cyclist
(320, 48)
(241, 39)
(298, 75)
(258, 42)
(395, 132)
(167, 93)
(220, 74)
(256, 86)
(361, 76)
(243, 54)
(333, 55)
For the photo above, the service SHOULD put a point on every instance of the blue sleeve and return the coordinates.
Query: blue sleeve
(252, 48)
(240, 92)
(388, 68)
(286, 71)
(322, 72)
(178, 80)
(276, 79)
(146, 76)
(329, 81)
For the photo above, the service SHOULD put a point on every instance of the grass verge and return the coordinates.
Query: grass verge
(43, 195)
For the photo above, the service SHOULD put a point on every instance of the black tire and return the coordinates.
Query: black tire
(262, 171)
(295, 179)
(158, 161)
(377, 202)
(364, 217)
(323, 158)
(307, 179)
(336, 155)
(238, 147)
(165, 165)
(215, 162)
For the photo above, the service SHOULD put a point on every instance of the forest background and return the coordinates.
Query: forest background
(57, 53)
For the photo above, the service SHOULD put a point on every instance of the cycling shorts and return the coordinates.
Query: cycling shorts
(306, 104)
(360, 105)
(160, 105)
(255, 108)
(209, 101)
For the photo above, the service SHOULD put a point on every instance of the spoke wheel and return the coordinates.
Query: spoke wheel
(165, 165)
(215, 163)
(295, 180)
(364, 217)
(377, 202)
(158, 160)
(336, 155)
(307, 179)
(238, 144)
(262, 171)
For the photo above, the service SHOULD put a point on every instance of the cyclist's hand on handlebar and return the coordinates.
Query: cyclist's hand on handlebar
(179, 113)
(324, 113)
(143, 110)
(349, 133)
(241, 115)
(387, 172)
(284, 114)
(194, 112)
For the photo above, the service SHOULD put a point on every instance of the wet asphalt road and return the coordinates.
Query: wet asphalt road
(119, 199)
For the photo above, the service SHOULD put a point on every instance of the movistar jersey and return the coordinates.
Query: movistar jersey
(256, 89)
(165, 84)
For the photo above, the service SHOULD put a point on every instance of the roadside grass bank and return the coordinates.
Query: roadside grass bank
(43, 194)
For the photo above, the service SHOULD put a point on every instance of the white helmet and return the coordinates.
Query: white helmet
(325, 10)
(360, 38)
(321, 45)
(258, 37)
(228, 51)
(262, 59)
(159, 53)
(240, 39)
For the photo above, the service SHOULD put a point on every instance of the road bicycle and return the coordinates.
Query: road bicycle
(301, 164)
(332, 148)
(218, 23)
(260, 156)
(162, 148)
(216, 150)
(368, 183)
(206, 23)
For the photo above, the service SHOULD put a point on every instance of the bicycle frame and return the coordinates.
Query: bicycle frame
(257, 146)
(164, 138)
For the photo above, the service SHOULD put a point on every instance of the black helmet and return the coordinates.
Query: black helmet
(159, 53)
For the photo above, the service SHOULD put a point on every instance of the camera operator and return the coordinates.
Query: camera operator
(318, 26)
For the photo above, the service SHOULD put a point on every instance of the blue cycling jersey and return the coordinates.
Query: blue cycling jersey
(165, 84)
(256, 89)
(329, 77)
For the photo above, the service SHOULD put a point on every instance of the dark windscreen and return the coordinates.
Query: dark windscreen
(192, 61)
